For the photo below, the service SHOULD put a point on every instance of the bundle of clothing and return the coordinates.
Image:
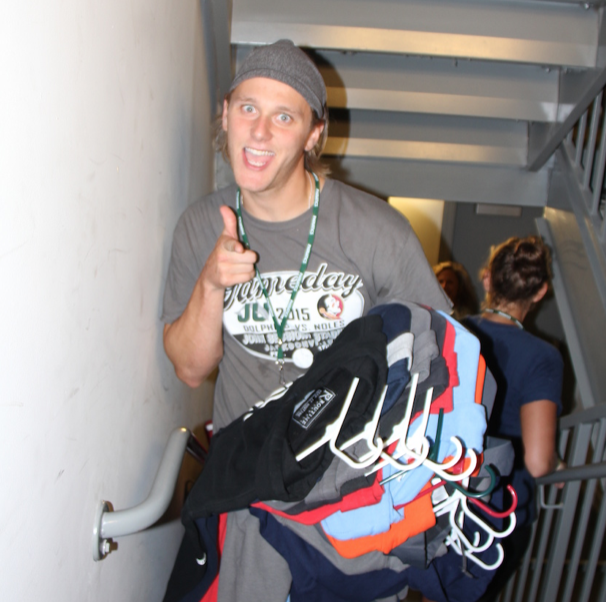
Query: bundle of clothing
(360, 479)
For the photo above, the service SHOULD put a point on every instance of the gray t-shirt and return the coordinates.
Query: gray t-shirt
(365, 253)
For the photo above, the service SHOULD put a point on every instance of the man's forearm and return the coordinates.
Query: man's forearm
(194, 342)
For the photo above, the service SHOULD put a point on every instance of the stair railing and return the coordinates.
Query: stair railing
(563, 561)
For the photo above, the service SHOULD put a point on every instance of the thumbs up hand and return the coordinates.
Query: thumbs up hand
(230, 262)
(230, 231)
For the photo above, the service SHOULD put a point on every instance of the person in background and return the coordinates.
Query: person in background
(455, 281)
(528, 371)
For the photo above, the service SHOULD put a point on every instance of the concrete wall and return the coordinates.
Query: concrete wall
(104, 139)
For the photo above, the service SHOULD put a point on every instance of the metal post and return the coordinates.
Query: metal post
(583, 517)
(598, 535)
(593, 134)
(580, 143)
(564, 522)
(598, 179)
(525, 568)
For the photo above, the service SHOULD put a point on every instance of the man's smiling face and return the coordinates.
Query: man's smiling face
(269, 127)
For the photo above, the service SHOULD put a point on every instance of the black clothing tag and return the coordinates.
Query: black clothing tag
(312, 406)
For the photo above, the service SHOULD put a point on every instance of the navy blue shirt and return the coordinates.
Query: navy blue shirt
(526, 369)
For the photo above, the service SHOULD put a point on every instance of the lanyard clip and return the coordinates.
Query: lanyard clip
(280, 364)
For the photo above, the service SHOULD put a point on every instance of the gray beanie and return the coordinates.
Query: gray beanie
(286, 63)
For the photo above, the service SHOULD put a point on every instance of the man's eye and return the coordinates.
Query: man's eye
(248, 108)
(284, 118)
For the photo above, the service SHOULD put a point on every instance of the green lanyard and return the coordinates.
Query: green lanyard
(280, 326)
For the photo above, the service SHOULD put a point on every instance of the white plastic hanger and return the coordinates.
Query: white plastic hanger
(399, 430)
(452, 541)
(418, 450)
(367, 435)
(439, 469)
(332, 430)
(420, 453)
(457, 509)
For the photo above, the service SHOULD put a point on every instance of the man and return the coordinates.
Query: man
(318, 268)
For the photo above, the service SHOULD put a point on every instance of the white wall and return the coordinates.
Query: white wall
(104, 139)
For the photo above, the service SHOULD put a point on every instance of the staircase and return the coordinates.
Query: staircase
(459, 100)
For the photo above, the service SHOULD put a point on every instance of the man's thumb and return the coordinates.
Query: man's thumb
(230, 224)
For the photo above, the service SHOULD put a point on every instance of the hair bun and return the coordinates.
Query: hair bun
(518, 268)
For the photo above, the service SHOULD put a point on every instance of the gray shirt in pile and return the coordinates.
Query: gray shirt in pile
(364, 254)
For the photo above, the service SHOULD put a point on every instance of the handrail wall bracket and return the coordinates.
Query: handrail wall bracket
(101, 546)
(109, 524)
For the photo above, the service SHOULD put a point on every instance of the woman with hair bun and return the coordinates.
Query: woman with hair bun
(528, 372)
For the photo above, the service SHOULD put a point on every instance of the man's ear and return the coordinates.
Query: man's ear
(224, 115)
(486, 280)
(540, 293)
(314, 136)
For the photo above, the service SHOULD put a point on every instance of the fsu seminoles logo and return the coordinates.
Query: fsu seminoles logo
(330, 307)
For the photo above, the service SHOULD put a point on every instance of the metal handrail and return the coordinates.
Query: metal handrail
(574, 473)
(110, 524)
